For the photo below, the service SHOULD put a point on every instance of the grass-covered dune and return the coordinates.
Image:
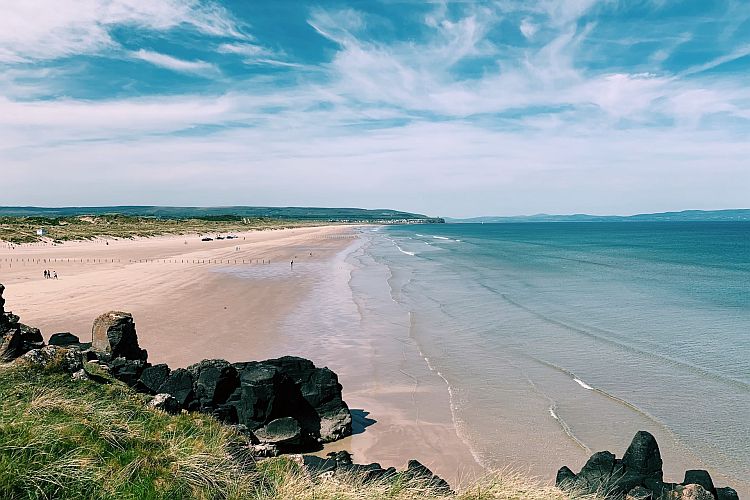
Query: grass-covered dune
(62, 438)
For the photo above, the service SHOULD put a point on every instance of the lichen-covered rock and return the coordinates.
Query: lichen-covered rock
(67, 360)
(691, 492)
(113, 334)
(166, 403)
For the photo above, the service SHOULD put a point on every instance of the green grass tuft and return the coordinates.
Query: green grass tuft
(67, 439)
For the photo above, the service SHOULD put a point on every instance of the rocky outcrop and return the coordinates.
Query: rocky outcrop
(16, 339)
(341, 463)
(114, 334)
(639, 476)
(280, 404)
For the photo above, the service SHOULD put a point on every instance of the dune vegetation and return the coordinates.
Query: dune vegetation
(64, 438)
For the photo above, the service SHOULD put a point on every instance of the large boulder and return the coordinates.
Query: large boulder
(726, 493)
(215, 380)
(67, 360)
(64, 339)
(113, 335)
(702, 478)
(16, 338)
(643, 456)
(320, 387)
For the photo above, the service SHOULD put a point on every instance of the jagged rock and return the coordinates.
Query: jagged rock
(215, 381)
(565, 477)
(64, 339)
(643, 457)
(152, 378)
(127, 370)
(16, 338)
(639, 493)
(114, 334)
(702, 478)
(67, 360)
(321, 389)
(264, 394)
(81, 375)
(180, 385)
(640, 470)
(284, 431)
(726, 493)
(166, 403)
(416, 470)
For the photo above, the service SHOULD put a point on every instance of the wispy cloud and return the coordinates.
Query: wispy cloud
(534, 106)
(173, 63)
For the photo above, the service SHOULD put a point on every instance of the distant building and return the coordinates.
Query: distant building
(41, 232)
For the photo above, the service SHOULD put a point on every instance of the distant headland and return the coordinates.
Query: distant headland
(683, 216)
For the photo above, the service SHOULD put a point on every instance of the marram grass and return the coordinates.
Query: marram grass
(66, 439)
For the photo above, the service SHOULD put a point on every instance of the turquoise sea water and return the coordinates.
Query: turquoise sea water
(584, 333)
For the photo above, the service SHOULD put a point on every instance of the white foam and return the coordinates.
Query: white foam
(583, 384)
(405, 251)
(441, 238)
(553, 414)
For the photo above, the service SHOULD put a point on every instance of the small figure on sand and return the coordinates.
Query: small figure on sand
(46, 274)
(291, 264)
(54, 273)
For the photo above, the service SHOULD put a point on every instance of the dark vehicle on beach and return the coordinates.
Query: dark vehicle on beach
(219, 237)
(207, 239)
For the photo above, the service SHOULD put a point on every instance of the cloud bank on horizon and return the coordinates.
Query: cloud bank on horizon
(450, 108)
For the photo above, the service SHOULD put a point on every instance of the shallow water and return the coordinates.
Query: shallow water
(553, 340)
(588, 330)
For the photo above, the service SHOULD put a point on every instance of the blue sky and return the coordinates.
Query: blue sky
(448, 108)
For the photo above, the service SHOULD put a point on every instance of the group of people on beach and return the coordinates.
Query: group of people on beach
(50, 275)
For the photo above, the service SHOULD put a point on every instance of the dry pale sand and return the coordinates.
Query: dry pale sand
(187, 308)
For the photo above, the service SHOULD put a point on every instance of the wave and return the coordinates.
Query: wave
(582, 384)
(441, 238)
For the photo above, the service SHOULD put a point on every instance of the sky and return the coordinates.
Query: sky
(449, 108)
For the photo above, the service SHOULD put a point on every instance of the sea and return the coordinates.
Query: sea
(552, 337)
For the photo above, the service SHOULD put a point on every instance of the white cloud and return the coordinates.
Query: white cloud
(527, 28)
(173, 63)
(48, 29)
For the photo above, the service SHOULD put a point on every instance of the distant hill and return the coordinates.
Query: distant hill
(684, 216)
(280, 213)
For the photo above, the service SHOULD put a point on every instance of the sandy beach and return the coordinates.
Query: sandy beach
(193, 300)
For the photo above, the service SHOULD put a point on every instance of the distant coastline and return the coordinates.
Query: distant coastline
(728, 215)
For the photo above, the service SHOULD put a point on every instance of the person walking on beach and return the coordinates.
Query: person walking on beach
(291, 265)
(45, 274)
(55, 273)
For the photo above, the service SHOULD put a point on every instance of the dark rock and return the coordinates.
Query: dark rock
(415, 471)
(11, 344)
(64, 339)
(283, 432)
(215, 381)
(126, 370)
(264, 395)
(566, 478)
(316, 465)
(320, 387)
(166, 403)
(114, 334)
(701, 477)
(180, 385)
(643, 457)
(598, 470)
(152, 378)
(639, 493)
(726, 493)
